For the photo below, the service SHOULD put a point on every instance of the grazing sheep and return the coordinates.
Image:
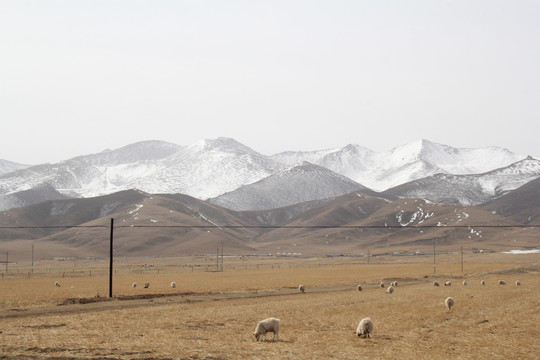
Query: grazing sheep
(449, 302)
(390, 289)
(393, 283)
(482, 282)
(302, 289)
(501, 282)
(365, 327)
(448, 283)
(57, 284)
(435, 283)
(134, 285)
(173, 284)
(359, 288)
(518, 282)
(267, 325)
(146, 285)
(381, 284)
(464, 283)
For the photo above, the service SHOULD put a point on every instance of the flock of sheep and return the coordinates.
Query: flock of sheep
(365, 327)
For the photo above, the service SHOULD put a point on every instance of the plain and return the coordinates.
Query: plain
(212, 314)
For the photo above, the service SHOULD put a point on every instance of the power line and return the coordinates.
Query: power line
(54, 227)
(519, 226)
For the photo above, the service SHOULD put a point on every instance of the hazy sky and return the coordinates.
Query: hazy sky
(78, 77)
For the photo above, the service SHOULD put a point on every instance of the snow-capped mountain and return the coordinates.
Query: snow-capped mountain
(205, 169)
(469, 189)
(298, 184)
(210, 168)
(382, 170)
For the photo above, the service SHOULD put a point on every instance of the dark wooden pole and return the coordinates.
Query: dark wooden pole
(111, 260)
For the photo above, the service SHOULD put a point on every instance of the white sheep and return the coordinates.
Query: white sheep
(482, 282)
(449, 302)
(501, 282)
(57, 284)
(146, 285)
(518, 282)
(173, 284)
(134, 285)
(448, 283)
(267, 325)
(381, 284)
(464, 283)
(359, 288)
(365, 327)
(302, 289)
(390, 289)
(435, 283)
(393, 283)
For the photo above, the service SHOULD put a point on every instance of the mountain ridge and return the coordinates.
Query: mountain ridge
(212, 168)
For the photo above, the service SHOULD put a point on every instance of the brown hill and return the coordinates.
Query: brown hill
(355, 224)
(180, 225)
(521, 205)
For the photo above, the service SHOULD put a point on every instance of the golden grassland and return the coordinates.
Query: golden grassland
(212, 315)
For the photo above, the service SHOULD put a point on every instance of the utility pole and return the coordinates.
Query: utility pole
(462, 259)
(434, 262)
(111, 259)
(221, 255)
(7, 261)
(32, 258)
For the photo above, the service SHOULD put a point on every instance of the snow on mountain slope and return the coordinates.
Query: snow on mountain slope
(297, 157)
(298, 184)
(469, 189)
(210, 168)
(205, 169)
(9, 166)
(383, 170)
(140, 151)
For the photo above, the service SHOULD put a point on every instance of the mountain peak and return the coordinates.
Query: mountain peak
(223, 144)
(139, 151)
(9, 166)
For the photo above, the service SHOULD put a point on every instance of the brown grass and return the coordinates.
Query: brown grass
(212, 315)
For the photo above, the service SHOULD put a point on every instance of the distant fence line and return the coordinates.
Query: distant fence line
(212, 267)
(98, 268)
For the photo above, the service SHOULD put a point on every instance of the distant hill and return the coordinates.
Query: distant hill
(181, 225)
(469, 189)
(521, 205)
(298, 184)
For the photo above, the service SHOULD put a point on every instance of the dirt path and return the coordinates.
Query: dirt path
(85, 305)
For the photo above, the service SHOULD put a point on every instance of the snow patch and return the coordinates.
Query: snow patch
(519, 252)
(137, 208)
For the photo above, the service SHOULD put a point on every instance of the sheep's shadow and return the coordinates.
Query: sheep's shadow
(277, 341)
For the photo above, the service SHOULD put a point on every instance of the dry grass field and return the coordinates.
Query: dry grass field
(212, 315)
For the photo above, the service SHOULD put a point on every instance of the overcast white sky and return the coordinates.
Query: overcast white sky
(78, 77)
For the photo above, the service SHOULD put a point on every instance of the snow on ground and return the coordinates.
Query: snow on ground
(518, 252)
